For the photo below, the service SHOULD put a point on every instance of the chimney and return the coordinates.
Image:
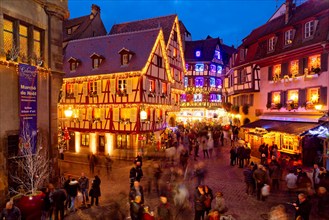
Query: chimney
(289, 6)
(95, 9)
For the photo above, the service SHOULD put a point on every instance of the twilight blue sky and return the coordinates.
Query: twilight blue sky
(231, 20)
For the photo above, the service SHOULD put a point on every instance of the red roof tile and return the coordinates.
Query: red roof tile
(108, 46)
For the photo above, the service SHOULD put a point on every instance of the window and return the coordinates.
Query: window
(290, 142)
(185, 81)
(313, 95)
(73, 66)
(69, 31)
(212, 68)
(164, 88)
(276, 97)
(69, 90)
(95, 63)
(84, 140)
(293, 96)
(212, 82)
(175, 53)
(92, 88)
(175, 36)
(198, 53)
(314, 63)
(123, 141)
(23, 40)
(309, 29)
(152, 86)
(288, 36)
(277, 71)
(37, 43)
(8, 35)
(197, 97)
(241, 54)
(183, 97)
(122, 85)
(199, 67)
(242, 76)
(219, 69)
(159, 61)
(199, 82)
(125, 59)
(294, 67)
(217, 54)
(271, 44)
(218, 83)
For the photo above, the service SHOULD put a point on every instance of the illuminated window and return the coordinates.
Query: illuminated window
(123, 141)
(212, 82)
(125, 113)
(197, 97)
(313, 95)
(219, 69)
(185, 81)
(309, 29)
(199, 67)
(92, 88)
(125, 59)
(23, 40)
(219, 83)
(288, 36)
(159, 61)
(8, 35)
(183, 97)
(294, 67)
(212, 68)
(271, 43)
(217, 54)
(314, 63)
(198, 53)
(73, 66)
(276, 97)
(175, 54)
(122, 85)
(293, 96)
(37, 43)
(277, 71)
(186, 66)
(152, 86)
(85, 140)
(199, 82)
(95, 63)
(69, 90)
(164, 88)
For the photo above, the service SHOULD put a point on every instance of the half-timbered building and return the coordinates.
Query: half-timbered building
(289, 55)
(173, 36)
(206, 61)
(117, 89)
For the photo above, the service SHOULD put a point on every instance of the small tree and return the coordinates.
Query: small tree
(32, 167)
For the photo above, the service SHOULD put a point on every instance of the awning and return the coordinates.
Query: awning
(289, 127)
(295, 117)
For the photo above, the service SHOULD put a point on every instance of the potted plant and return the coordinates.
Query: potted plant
(31, 174)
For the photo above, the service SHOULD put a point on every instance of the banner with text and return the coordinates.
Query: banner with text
(28, 82)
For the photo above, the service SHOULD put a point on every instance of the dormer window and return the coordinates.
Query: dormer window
(126, 56)
(309, 29)
(271, 44)
(289, 36)
(74, 63)
(96, 60)
(217, 54)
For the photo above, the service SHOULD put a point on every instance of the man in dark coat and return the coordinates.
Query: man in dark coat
(233, 156)
(260, 178)
(59, 197)
(240, 155)
(95, 190)
(139, 159)
(11, 212)
(73, 189)
(199, 198)
(164, 211)
(136, 190)
(275, 173)
(249, 180)
(135, 173)
(303, 207)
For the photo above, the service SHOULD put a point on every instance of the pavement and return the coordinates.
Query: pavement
(220, 177)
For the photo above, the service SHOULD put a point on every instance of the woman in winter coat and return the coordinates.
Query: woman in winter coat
(95, 190)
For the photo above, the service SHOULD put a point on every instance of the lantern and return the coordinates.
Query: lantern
(143, 115)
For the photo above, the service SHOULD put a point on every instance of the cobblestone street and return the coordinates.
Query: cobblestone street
(221, 177)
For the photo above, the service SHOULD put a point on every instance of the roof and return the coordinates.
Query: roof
(256, 41)
(289, 127)
(85, 27)
(165, 22)
(108, 46)
(207, 48)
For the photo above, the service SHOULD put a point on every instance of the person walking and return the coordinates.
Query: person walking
(164, 210)
(209, 197)
(95, 191)
(275, 173)
(204, 147)
(210, 146)
(315, 176)
(249, 180)
(136, 209)
(136, 190)
(136, 173)
(233, 156)
(92, 163)
(11, 212)
(240, 155)
(260, 178)
(73, 189)
(59, 198)
(291, 180)
(84, 187)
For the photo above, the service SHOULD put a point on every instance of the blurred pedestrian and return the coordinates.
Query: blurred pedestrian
(233, 156)
(73, 189)
(303, 207)
(84, 187)
(11, 212)
(241, 155)
(135, 173)
(291, 180)
(184, 158)
(315, 176)
(323, 202)
(210, 146)
(164, 210)
(249, 180)
(136, 209)
(209, 197)
(59, 198)
(278, 213)
(95, 191)
(108, 164)
(139, 159)
(220, 204)
(199, 207)
(136, 190)
(275, 173)
(260, 178)
(92, 160)
(214, 215)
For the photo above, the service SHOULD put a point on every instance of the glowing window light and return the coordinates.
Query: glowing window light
(219, 69)
(198, 53)
(68, 112)
(294, 66)
(293, 95)
(276, 97)
(314, 61)
(277, 70)
(199, 67)
(93, 146)
(143, 115)
(77, 136)
(109, 143)
(217, 54)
